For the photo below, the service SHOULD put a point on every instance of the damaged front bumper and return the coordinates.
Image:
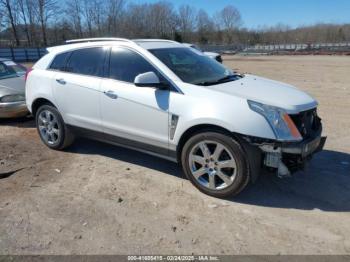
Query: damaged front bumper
(287, 158)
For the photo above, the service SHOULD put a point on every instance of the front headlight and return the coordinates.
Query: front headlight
(12, 98)
(280, 122)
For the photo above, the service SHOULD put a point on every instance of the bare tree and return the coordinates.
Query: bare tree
(88, 15)
(2, 19)
(24, 18)
(74, 11)
(62, 31)
(205, 26)
(94, 16)
(30, 10)
(229, 20)
(162, 19)
(41, 23)
(8, 7)
(46, 9)
(115, 10)
(187, 21)
(136, 24)
(150, 20)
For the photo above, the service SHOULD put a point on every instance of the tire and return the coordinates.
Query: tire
(216, 174)
(52, 129)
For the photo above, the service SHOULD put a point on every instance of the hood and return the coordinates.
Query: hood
(211, 54)
(268, 92)
(14, 85)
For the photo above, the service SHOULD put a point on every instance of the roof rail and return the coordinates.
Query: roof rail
(154, 40)
(86, 40)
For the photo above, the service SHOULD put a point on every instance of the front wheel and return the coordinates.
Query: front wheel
(216, 164)
(52, 129)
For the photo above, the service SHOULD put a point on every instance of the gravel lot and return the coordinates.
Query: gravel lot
(100, 199)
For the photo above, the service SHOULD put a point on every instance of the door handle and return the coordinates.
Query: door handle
(61, 81)
(111, 94)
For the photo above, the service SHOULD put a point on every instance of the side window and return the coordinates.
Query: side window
(6, 71)
(89, 61)
(3, 68)
(125, 65)
(59, 62)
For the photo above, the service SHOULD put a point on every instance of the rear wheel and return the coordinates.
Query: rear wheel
(216, 164)
(52, 129)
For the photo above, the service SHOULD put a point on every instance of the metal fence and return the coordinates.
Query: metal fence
(300, 47)
(34, 54)
(222, 48)
(23, 54)
(311, 47)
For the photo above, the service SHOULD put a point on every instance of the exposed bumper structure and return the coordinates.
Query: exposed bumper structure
(287, 158)
(13, 109)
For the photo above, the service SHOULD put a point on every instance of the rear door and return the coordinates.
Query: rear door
(76, 87)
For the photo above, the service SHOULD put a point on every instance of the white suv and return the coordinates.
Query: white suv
(172, 101)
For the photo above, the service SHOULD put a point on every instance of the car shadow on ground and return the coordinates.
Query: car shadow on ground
(324, 184)
(22, 122)
(87, 146)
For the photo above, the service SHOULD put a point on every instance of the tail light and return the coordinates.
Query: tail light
(27, 73)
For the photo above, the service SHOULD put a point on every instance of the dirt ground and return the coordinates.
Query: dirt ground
(100, 199)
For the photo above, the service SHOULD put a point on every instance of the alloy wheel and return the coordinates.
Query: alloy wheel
(48, 127)
(212, 165)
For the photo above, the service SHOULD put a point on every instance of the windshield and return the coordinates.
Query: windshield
(6, 72)
(194, 67)
(19, 69)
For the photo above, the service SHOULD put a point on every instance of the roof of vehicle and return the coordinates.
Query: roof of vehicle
(156, 43)
(99, 39)
(70, 46)
(87, 42)
(138, 44)
(2, 59)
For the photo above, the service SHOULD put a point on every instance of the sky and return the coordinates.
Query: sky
(259, 13)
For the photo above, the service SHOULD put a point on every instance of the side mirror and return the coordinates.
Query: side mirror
(149, 79)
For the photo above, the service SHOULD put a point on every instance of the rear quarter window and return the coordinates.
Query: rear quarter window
(59, 62)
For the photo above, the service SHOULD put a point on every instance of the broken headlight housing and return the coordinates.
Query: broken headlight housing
(280, 122)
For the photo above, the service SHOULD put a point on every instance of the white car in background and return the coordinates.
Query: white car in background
(163, 98)
(212, 55)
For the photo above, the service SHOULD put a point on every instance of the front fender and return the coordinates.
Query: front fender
(250, 124)
(204, 106)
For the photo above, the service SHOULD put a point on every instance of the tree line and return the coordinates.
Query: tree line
(50, 22)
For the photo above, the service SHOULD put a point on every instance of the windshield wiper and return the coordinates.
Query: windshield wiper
(220, 81)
